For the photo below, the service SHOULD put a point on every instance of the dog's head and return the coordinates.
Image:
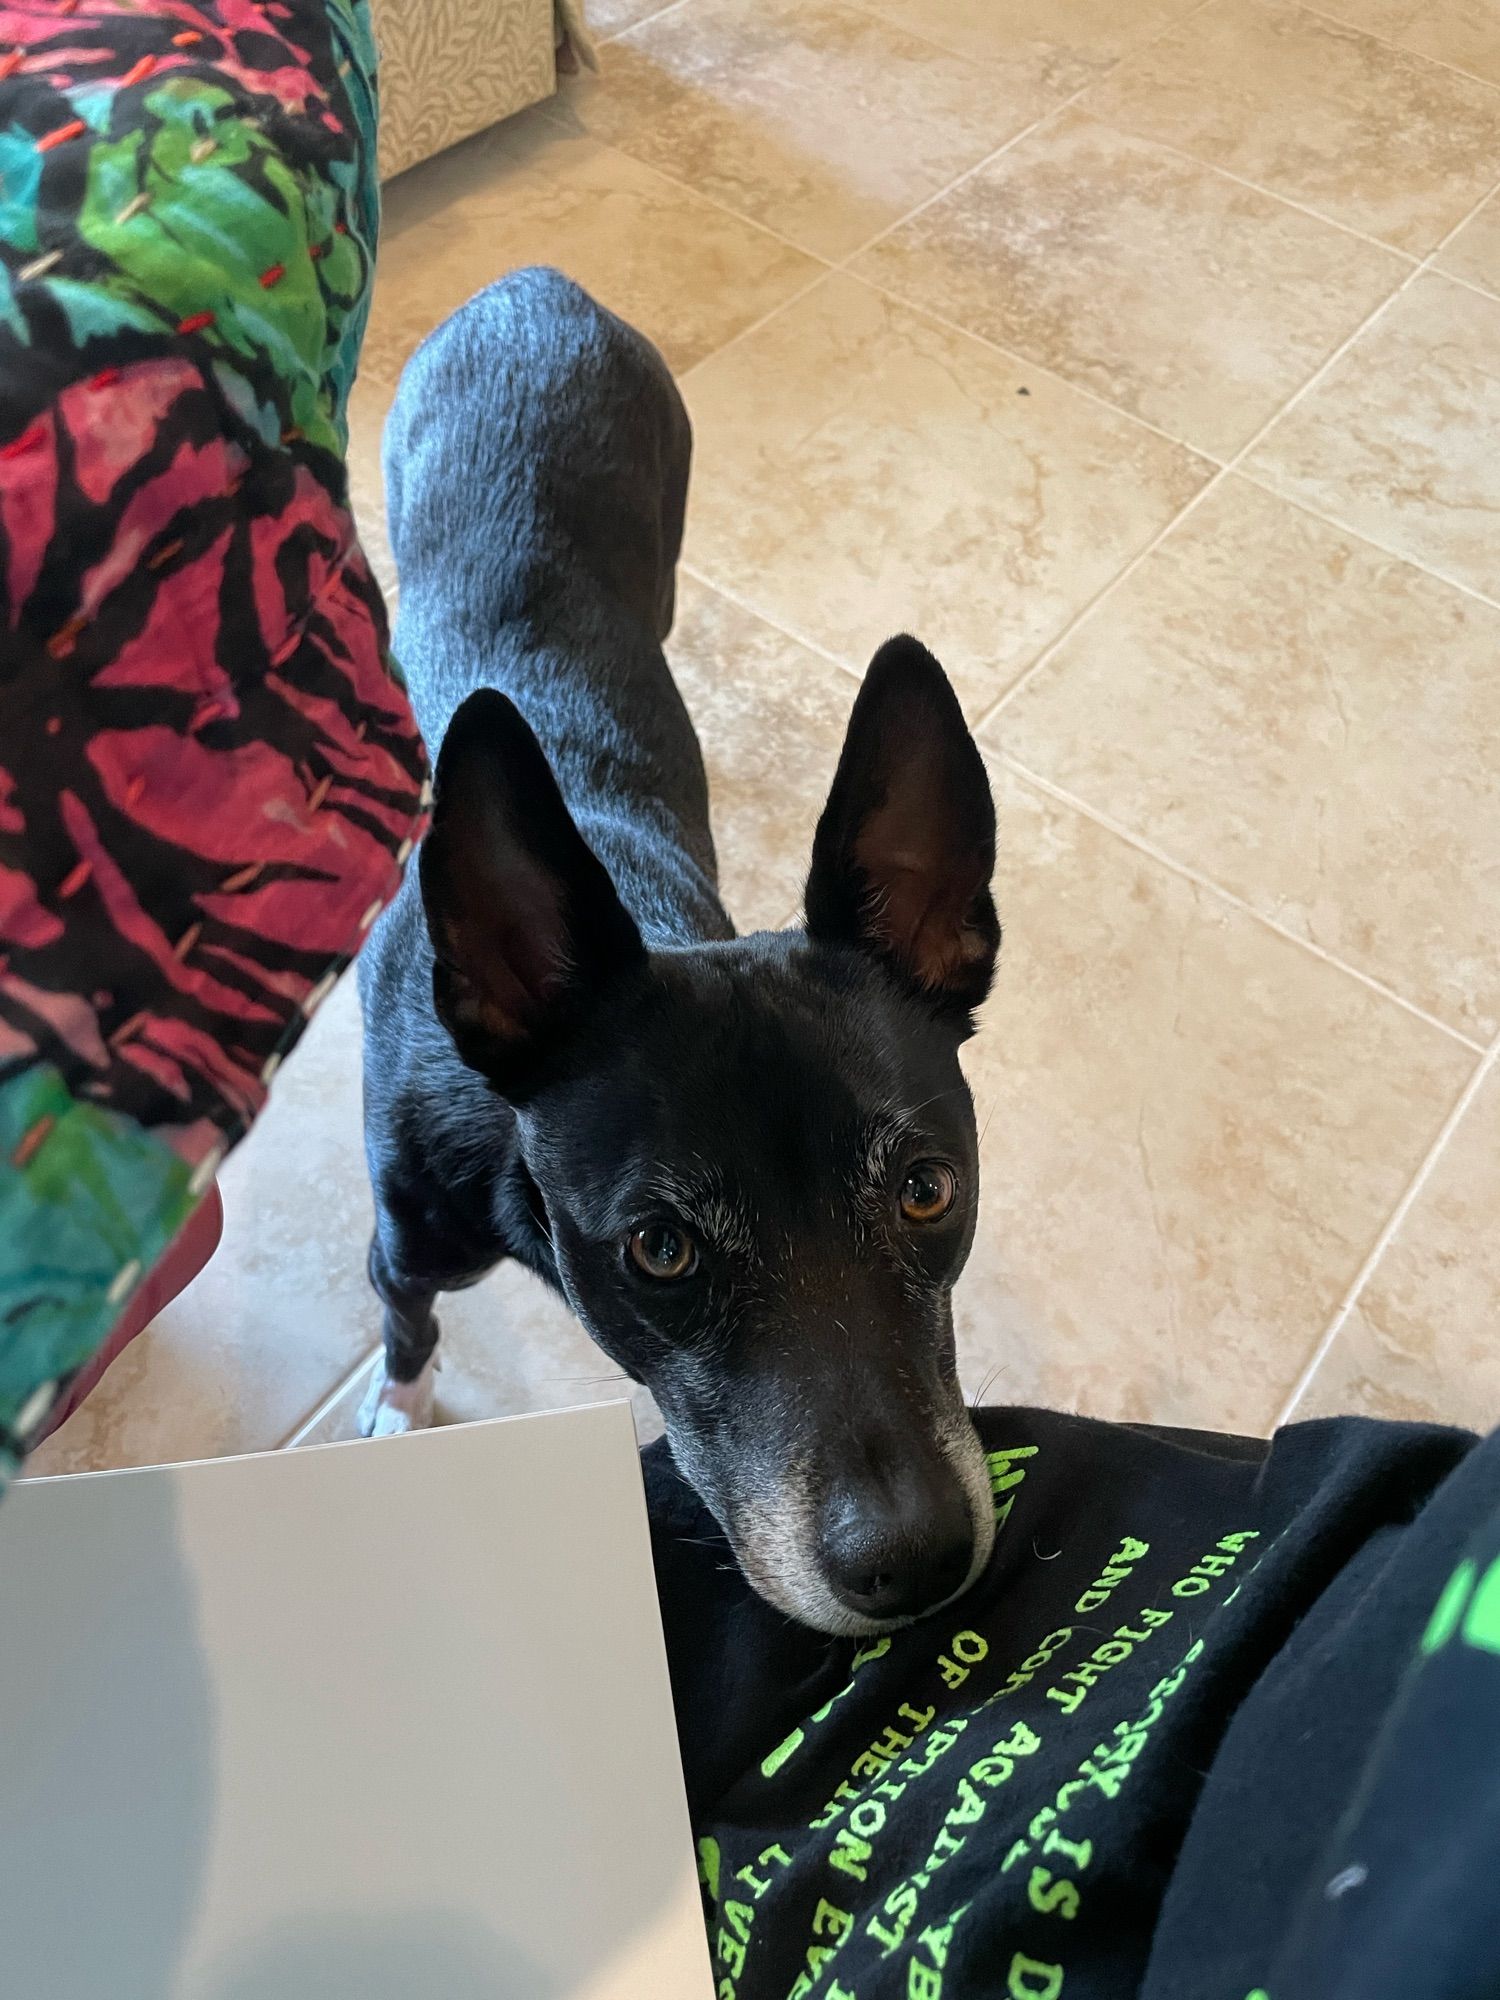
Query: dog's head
(756, 1161)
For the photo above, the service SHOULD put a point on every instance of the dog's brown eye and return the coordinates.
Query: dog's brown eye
(928, 1191)
(664, 1252)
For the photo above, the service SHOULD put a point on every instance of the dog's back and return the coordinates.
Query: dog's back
(536, 463)
(536, 467)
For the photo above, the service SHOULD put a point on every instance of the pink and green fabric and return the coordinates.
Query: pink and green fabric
(210, 777)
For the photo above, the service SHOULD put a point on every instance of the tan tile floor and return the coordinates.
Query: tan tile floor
(1141, 356)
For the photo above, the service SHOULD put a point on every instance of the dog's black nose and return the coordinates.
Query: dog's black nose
(894, 1555)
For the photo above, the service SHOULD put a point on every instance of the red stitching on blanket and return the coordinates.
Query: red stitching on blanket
(32, 435)
(31, 1143)
(74, 128)
(61, 642)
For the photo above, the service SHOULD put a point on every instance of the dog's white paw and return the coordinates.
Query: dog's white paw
(389, 1408)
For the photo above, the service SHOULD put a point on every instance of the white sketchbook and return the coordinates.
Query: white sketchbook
(382, 1721)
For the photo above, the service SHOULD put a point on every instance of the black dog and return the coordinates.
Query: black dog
(749, 1164)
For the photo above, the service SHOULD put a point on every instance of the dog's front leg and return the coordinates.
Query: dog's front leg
(401, 1393)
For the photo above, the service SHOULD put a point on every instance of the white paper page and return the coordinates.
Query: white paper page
(364, 1722)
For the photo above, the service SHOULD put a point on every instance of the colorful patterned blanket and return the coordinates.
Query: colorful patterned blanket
(210, 777)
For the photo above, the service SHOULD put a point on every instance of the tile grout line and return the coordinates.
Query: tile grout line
(334, 1396)
(668, 7)
(1230, 465)
(1464, 284)
(1262, 484)
(1032, 126)
(558, 119)
(1258, 187)
(823, 273)
(1055, 644)
(873, 13)
(1029, 363)
(828, 264)
(1188, 873)
(785, 305)
(1429, 262)
(1035, 125)
(1324, 13)
(1382, 1243)
(1138, 842)
(855, 674)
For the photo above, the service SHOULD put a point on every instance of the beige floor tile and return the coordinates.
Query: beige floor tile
(1193, 1133)
(1401, 439)
(1374, 138)
(280, 1312)
(1310, 722)
(771, 718)
(823, 122)
(1420, 1341)
(1158, 283)
(613, 17)
(1465, 33)
(368, 407)
(1474, 253)
(862, 470)
(1098, 31)
(530, 192)
(509, 1347)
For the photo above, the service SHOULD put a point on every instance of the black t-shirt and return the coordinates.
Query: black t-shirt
(1140, 1756)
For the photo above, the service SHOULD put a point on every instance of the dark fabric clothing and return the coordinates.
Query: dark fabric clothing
(1183, 1738)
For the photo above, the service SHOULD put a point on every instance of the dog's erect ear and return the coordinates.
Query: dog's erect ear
(905, 848)
(524, 920)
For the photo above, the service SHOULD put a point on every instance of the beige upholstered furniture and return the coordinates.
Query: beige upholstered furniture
(451, 67)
